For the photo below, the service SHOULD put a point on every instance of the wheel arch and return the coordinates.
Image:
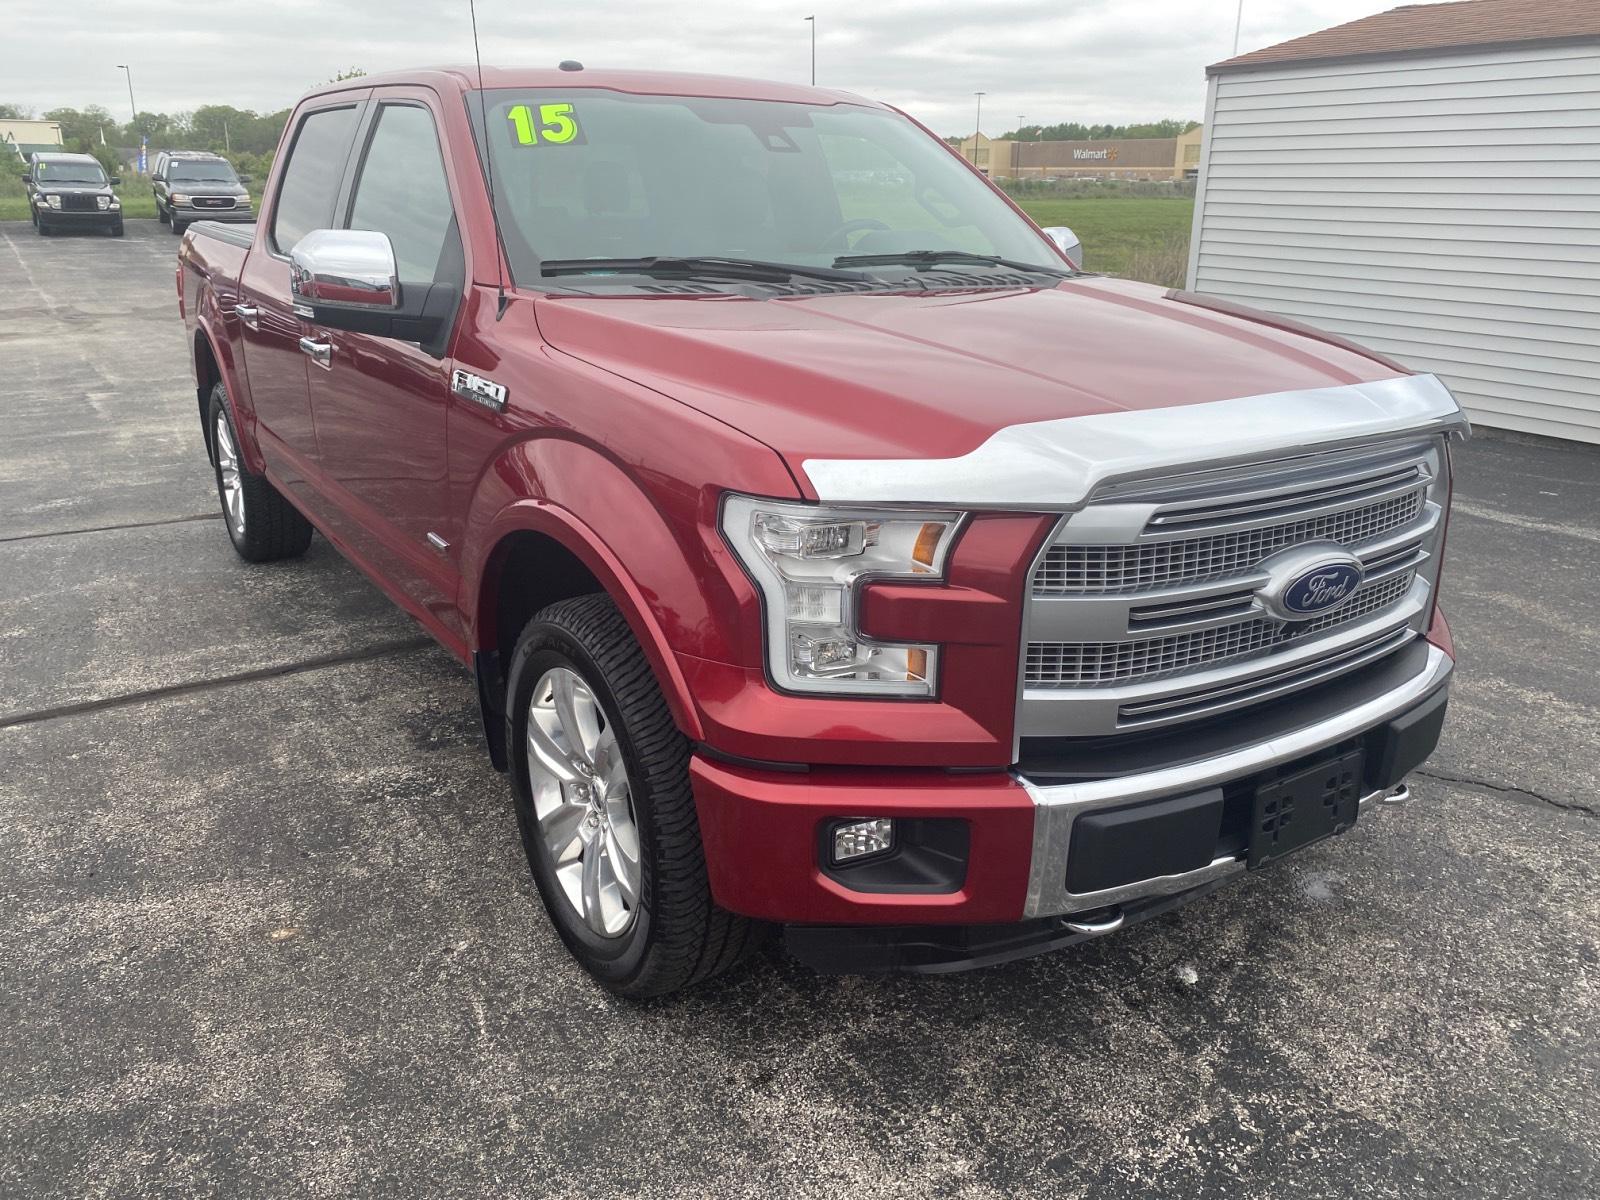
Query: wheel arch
(533, 554)
(213, 364)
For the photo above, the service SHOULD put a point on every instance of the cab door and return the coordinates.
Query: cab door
(379, 403)
(275, 361)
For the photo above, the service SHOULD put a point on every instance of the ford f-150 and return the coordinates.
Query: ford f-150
(831, 553)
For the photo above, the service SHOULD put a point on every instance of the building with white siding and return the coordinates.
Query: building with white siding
(1425, 181)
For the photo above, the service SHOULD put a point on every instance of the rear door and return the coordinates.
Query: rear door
(275, 359)
(379, 403)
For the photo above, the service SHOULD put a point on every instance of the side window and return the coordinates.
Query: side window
(311, 180)
(402, 192)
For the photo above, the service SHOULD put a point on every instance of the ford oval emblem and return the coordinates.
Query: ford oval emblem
(1322, 588)
(1310, 580)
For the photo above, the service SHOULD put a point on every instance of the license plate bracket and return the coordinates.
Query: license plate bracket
(1315, 802)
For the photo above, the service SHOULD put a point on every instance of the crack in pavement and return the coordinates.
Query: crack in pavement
(29, 537)
(317, 663)
(1507, 789)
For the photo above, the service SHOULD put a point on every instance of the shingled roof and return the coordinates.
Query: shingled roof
(1424, 28)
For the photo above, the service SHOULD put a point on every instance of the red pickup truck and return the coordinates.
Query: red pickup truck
(831, 553)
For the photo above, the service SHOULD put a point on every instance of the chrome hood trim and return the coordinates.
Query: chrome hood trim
(1055, 466)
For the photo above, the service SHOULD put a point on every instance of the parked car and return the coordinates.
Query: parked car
(861, 568)
(191, 185)
(71, 191)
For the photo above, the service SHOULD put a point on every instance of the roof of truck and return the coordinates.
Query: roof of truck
(645, 83)
(63, 156)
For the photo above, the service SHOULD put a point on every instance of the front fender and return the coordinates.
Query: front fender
(652, 558)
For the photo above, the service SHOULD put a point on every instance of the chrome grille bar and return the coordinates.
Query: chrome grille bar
(1069, 569)
(1143, 610)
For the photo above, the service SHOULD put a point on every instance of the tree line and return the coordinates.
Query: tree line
(247, 137)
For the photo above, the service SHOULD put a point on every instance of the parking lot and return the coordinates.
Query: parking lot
(268, 929)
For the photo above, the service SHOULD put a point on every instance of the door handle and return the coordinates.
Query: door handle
(320, 353)
(247, 314)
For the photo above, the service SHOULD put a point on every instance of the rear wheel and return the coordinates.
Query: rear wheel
(261, 523)
(601, 776)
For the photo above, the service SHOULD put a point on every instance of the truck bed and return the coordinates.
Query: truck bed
(237, 233)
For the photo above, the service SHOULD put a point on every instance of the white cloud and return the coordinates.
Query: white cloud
(1051, 60)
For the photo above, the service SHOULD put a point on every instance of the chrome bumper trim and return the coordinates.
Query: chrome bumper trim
(1057, 806)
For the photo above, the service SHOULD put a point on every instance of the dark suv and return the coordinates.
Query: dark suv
(192, 186)
(68, 191)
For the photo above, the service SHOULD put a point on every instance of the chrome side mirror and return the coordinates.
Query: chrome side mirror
(344, 268)
(1067, 242)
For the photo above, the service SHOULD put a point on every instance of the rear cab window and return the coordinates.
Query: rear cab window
(310, 185)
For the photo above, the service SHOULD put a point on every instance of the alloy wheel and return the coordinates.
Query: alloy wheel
(229, 472)
(583, 802)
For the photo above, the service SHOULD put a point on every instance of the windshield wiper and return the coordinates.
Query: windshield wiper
(663, 267)
(932, 258)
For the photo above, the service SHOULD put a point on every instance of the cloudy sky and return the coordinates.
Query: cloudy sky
(1050, 60)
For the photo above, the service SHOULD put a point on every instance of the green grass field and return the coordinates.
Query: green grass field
(1136, 237)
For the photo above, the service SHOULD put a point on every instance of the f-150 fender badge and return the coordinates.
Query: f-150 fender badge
(479, 390)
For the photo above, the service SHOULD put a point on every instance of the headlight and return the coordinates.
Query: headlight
(178, 198)
(809, 562)
(53, 201)
(103, 201)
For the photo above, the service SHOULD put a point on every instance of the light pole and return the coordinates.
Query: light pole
(1238, 19)
(813, 23)
(134, 107)
(977, 126)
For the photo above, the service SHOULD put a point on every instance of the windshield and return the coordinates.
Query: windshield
(201, 172)
(598, 174)
(69, 172)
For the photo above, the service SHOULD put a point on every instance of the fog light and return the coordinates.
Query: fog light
(859, 839)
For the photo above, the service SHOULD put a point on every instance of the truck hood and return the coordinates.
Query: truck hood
(890, 376)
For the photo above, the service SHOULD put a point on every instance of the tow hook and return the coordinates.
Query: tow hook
(1399, 795)
(1095, 923)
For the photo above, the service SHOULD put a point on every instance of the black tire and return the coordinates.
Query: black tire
(177, 226)
(115, 230)
(161, 214)
(269, 527)
(678, 936)
(44, 230)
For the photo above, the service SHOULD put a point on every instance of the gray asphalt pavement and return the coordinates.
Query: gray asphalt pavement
(267, 930)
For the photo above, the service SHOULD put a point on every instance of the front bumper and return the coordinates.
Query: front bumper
(63, 216)
(764, 830)
(189, 214)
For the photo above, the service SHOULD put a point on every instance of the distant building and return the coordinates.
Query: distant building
(27, 137)
(1120, 158)
(1423, 181)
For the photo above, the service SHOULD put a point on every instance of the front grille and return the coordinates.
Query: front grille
(1143, 612)
(78, 204)
(1096, 664)
(213, 202)
(1080, 570)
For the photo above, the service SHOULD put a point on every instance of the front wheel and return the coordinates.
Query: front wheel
(601, 777)
(177, 226)
(116, 230)
(261, 523)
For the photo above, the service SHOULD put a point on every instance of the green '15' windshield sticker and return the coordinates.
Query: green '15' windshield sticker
(554, 124)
